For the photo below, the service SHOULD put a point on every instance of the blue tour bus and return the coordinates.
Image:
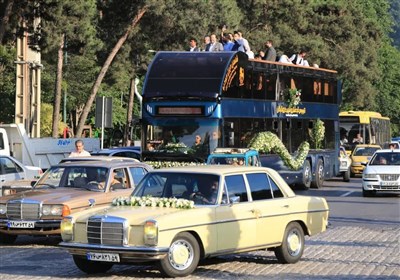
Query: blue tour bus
(224, 99)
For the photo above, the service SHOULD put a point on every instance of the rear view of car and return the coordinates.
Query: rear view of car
(382, 173)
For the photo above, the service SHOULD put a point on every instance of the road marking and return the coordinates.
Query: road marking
(346, 194)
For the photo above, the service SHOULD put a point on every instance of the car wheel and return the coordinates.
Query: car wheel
(346, 176)
(306, 180)
(319, 175)
(183, 256)
(292, 246)
(7, 238)
(368, 193)
(91, 267)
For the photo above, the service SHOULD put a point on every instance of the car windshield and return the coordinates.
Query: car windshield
(389, 158)
(234, 160)
(201, 188)
(365, 151)
(85, 178)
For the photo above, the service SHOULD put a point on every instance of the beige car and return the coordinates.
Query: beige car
(65, 189)
(178, 216)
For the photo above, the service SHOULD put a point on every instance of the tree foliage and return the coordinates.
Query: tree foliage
(352, 37)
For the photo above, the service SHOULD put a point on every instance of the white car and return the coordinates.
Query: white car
(12, 170)
(382, 173)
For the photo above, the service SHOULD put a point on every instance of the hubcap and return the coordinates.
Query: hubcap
(294, 243)
(180, 254)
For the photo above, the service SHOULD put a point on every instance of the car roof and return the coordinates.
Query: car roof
(215, 169)
(110, 151)
(98, 158)
(387, 151)
(106, 164)
(367, 146)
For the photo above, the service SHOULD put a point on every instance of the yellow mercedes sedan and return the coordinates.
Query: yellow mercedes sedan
(178, 216)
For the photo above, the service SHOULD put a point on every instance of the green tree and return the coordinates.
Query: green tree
(7, 83)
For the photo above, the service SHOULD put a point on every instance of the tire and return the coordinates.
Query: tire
(307, 177)
(319, 175)
(346, 176)
(368, 193)
(91, 267)
(7, 238)
(183, 256)
(292, 246)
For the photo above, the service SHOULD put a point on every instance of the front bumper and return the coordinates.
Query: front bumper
(357, 169)
(378, 186)
(41, 227)
(126, 253)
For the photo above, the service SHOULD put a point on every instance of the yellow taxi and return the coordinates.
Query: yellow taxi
(360, 157)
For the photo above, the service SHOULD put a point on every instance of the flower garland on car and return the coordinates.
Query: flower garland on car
(150, 201)
(164, 164)
(268, 141)
(292, 97)
(317, 134)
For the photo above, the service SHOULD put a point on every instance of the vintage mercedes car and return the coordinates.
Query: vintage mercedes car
(64, 189)
(177, 216)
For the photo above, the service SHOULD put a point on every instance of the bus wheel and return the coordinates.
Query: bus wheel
(319, 175)
(306, 180)
(346, 176)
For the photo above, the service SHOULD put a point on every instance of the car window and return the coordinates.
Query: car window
(276, 191)
(137, 173)
(386, 159)
(259, 186)
(200, 188)
(236, 187)
(10, 167)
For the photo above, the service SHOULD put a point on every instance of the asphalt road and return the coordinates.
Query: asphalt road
(363, 242)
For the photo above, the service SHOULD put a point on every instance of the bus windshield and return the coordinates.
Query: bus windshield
(196, 137)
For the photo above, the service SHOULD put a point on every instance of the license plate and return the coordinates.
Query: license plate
(20, 224)
(103, 257)
(389, 183)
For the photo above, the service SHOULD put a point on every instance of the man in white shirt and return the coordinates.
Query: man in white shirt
(299, 58)
(79, 151)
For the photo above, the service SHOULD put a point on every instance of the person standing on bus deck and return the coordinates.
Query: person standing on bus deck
(299, 58)
(206, 43)
(358, 139)
(193, 45)
(215, 46)
(270, 52)
(79, 150)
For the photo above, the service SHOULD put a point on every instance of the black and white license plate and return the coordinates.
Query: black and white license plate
(389, 183)
(103, 257)
(20, 224)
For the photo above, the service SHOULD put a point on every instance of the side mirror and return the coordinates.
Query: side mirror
(92, 202)
(234, 199)
(33, 183)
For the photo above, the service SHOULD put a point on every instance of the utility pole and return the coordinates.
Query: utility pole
(28, 76)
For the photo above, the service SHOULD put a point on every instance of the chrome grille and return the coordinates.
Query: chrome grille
(389, 177)
(106, 230)
(23, 209)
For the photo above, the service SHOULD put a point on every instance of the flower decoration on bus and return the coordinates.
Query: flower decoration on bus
(176, 147)
(317, 134)
(149, 201)
(292, 97)
(269, 142)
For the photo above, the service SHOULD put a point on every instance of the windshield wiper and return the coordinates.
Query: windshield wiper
(46, 184)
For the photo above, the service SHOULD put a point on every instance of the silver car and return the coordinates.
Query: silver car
(382, 173)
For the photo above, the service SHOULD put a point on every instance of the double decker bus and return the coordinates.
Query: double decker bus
(371, 126)
(225, 99)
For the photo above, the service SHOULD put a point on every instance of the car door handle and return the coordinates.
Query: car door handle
(285, 206)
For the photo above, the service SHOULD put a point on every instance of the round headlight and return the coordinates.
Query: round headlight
(56, 210)
(3, 209)
(46, 210)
